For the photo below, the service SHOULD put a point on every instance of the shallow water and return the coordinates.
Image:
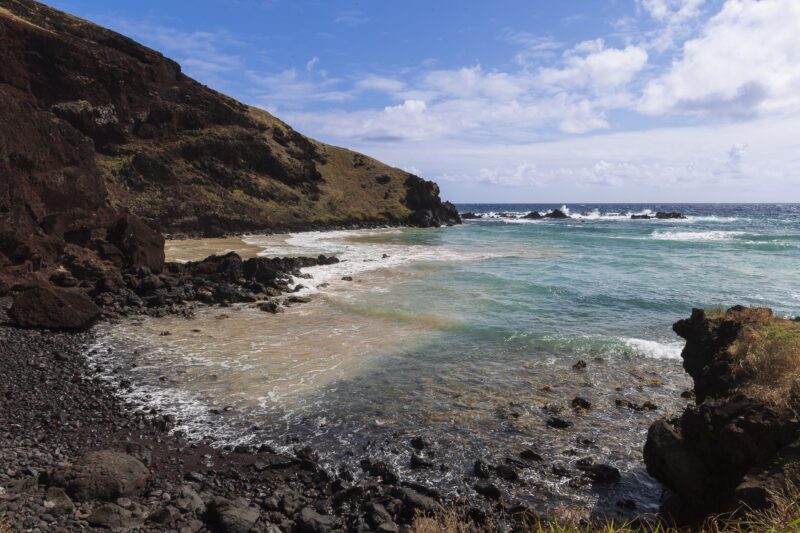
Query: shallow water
(467, 336)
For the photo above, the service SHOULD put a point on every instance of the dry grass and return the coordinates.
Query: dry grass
(782, 517)
(765, 356)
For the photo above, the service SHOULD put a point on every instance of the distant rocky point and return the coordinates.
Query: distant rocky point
(557, 213)
(659, 215)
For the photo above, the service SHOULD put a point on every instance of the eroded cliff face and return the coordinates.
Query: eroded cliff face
(738, 446)
(96, 129)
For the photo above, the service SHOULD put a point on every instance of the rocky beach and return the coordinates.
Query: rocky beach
(210, 322)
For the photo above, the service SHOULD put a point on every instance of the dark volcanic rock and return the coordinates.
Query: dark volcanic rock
(672, 214)
(103, 475)
(556, 213)
(232, 517)
(598, 473)
(114, 517)
(534, 215)
(640, 217)
(429, 210)
(141, 245)
(51, 308)
(558, 423)
(470, 216)
(729, 449)
(488, 490)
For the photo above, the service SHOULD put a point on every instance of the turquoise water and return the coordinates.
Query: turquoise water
(502, 308)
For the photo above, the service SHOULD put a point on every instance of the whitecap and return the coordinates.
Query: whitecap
(695, 236)
(655, 349)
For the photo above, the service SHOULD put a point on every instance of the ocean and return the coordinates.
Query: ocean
(468, 337)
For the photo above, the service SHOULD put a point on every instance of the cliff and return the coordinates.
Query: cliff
(738, 447)
(99, 133)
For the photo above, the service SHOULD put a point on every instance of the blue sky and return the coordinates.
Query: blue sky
(515, 101)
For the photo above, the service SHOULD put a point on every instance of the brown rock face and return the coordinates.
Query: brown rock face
(140, 244)
(51, 308)
(96, 127)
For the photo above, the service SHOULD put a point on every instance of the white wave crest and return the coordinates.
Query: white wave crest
(695, 236)
(655, 349)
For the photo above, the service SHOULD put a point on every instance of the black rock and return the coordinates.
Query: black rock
(481, 470)
(558, 423)
(419, 443)
(530, 455)
(599, 473)
(580, 403)
(672, 214)
(488, 490)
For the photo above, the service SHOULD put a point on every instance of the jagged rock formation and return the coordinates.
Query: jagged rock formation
(738, 447)
(99, 133)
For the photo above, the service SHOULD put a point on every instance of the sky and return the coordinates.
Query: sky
(513, 101)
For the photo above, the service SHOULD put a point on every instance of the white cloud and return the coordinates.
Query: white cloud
(755, 161)
(746, 63)
(672, 11)
(201, 54)
(601, 69)
(677, 18)
(313, 61)
(379, 83)
(293, 89)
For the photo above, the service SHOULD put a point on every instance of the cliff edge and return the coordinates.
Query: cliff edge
(105, 145)
(738, 447)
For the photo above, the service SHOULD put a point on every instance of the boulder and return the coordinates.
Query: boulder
(57, 502)
(103, 475)
(228, 267)
(535, 215)
(640, 217)
(558, 423)
(112, 516)
(140, 244)
(311, 521)
(230, 516)
(469, 216)
(52, 308)
(270, 307)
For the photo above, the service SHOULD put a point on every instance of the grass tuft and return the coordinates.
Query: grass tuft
(765, 357)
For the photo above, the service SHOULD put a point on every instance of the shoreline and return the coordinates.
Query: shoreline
(54, 413)
(227, 472)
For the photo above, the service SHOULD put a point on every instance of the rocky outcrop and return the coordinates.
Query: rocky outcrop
(736, 447)
(139, 244)
(105, 143)
(428, 209)
(671, 214)
(556, 213)
(51, 308)
(659, 215)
